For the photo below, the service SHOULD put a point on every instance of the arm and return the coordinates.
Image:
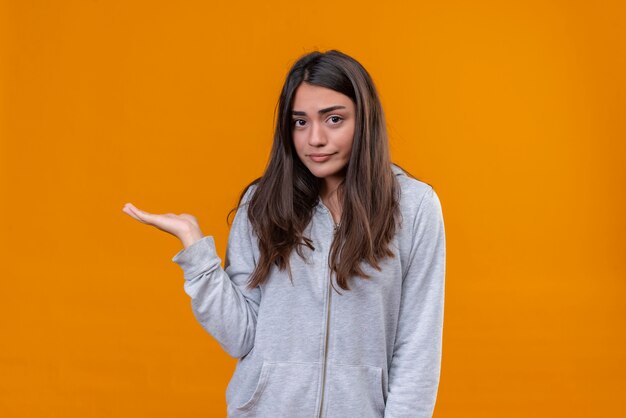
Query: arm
(416, 363)
(219, 298)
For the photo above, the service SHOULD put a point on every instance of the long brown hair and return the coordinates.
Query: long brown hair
(285, 196)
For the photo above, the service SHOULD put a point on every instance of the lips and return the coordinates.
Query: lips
(319, 158)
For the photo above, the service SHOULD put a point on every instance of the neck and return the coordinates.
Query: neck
(329, 196)
(329, 188)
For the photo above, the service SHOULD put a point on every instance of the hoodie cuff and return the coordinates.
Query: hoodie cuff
(199, 256)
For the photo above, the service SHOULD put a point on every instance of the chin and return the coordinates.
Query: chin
(323, 172)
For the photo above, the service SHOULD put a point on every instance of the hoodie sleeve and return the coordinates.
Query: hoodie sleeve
(220, 301)
(416, 363)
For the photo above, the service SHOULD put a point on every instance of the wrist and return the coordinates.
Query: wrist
(191, 237)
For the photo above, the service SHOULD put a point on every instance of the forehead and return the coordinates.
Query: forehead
(309, 96)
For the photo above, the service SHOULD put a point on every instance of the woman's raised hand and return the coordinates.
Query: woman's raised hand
(184, 226)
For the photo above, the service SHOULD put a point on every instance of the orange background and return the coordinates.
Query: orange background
(514, 111)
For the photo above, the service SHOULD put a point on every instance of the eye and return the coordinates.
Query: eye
(335, 119)
(298, 123)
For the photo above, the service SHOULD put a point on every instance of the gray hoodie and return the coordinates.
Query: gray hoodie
(306, 351)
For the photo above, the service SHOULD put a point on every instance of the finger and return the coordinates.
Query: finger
(132, 214)
(138, 214)
(133, 207)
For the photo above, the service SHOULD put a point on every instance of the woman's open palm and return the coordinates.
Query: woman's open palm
(183, 226)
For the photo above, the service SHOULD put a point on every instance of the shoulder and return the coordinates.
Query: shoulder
(414, 193)
(248, 193)
(240, 211)
(245, 197)
(422, 224)
(421, 212)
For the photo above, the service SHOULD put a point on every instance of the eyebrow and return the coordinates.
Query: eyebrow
(321, 111)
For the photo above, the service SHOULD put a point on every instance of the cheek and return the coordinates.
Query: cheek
(347, 141)
(297, 141)
(299, 144)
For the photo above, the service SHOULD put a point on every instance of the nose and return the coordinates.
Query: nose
(317, 136)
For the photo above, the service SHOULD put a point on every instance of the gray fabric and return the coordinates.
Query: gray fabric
(384, 336)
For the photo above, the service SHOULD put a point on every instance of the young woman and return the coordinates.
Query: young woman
(333, 287)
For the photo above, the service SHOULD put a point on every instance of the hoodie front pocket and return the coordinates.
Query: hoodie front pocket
(354, 391)
(284, 389)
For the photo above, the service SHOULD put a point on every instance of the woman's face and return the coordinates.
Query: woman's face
(323, 130)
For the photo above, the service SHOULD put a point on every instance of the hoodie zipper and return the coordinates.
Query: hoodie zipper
(330, 294)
